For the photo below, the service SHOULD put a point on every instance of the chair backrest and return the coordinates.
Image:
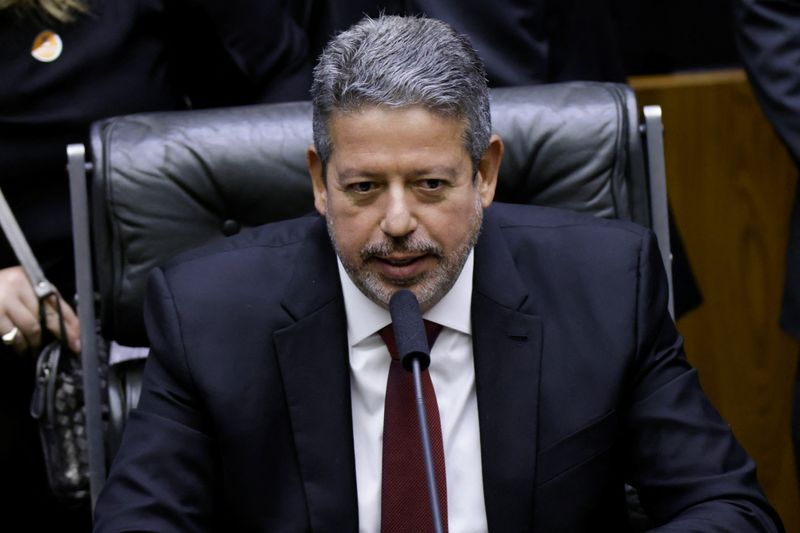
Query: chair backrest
(164, 182)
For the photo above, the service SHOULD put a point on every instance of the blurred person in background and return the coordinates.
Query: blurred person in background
(66, 63)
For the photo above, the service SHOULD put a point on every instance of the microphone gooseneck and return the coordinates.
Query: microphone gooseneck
(414, 352)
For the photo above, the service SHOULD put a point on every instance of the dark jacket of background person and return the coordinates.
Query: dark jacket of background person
(521, 42)
(238, 52)
(121, 56)
(769, 42)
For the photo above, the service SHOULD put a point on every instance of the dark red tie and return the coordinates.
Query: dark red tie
(405, 505)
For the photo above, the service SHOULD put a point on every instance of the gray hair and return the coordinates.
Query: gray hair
(400, 62)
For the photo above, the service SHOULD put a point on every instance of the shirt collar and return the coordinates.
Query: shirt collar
(365, 317)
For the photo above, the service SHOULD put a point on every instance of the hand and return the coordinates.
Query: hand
(19, 308)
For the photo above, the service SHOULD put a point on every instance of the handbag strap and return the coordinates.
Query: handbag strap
(22, 250)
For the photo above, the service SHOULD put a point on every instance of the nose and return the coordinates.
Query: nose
(398, 219)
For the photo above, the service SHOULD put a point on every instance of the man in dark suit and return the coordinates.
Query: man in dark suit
(558, 372)
(768, 35)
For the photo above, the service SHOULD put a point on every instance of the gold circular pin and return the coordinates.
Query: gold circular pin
(47, 46)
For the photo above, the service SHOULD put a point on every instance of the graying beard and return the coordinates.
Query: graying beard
(370, 284)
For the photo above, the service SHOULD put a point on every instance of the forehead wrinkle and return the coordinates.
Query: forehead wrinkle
(375, 143)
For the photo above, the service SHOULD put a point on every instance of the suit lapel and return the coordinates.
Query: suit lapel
(507, 348)
(313, 358)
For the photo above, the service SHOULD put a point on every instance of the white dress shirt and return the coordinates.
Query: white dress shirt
(453, 375)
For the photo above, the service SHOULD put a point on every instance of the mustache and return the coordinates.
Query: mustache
(402, 245)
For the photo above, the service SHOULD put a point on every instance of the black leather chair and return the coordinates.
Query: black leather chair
(159, 183)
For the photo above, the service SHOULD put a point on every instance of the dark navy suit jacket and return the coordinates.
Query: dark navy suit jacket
(244, 423)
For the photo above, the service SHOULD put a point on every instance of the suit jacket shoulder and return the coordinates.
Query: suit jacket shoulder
(566, 259)
(579, 364)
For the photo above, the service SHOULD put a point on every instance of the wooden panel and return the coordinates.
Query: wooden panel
(731, 186)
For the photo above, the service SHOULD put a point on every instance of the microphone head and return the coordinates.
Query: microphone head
(409, 330)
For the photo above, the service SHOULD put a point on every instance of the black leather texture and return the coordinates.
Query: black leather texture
(165, 182)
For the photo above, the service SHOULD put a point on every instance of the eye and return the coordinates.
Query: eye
(431, 184)
(362, 187)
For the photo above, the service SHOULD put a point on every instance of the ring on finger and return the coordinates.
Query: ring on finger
(10, 337)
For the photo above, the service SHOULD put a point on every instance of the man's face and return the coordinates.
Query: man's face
(402, 200)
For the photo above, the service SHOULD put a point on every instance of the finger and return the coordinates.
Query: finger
(26, 295)
(19, 308)
(51, 315)
(27, 320)
(71, 323)
(20, 344)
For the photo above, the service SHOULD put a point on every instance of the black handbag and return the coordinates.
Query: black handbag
(58, 405)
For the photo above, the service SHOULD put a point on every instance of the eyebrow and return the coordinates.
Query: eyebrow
(356, 173)
(439, 170)
(449, 172)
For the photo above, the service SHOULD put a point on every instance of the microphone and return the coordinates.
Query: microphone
(409, 330)
(414, 353)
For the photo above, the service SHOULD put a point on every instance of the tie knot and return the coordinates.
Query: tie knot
(432, 330)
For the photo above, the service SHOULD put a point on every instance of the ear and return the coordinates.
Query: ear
(317, 180)
(489, 169)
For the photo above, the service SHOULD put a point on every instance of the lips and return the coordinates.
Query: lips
(400, 261)
(401, 269)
